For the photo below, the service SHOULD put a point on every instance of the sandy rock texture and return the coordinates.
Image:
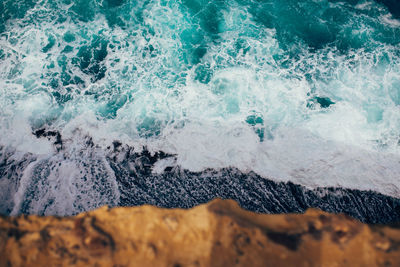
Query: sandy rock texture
(219, 233)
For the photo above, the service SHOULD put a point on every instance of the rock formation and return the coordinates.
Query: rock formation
(219, 233)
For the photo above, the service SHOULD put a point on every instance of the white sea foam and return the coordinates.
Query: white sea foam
(388, 19)
(76, 180)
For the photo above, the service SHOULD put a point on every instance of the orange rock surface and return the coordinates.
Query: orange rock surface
(219, 233)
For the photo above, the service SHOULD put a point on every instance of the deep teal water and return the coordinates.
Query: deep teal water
(306, 90)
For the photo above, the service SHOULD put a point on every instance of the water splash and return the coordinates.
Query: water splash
(302, 91)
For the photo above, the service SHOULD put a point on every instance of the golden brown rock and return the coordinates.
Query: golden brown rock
(219, 233)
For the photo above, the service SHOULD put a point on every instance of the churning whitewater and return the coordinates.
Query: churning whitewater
(115, 101)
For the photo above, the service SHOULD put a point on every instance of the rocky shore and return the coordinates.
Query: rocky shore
(219, 233)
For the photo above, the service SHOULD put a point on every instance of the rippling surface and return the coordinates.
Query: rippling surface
(306, 91)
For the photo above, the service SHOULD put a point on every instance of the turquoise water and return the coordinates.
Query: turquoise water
(307, 91)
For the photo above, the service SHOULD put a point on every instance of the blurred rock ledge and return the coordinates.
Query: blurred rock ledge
(219, 233)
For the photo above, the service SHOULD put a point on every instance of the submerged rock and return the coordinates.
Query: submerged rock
(219, 233)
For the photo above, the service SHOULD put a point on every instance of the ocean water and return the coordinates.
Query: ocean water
(97, 96)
